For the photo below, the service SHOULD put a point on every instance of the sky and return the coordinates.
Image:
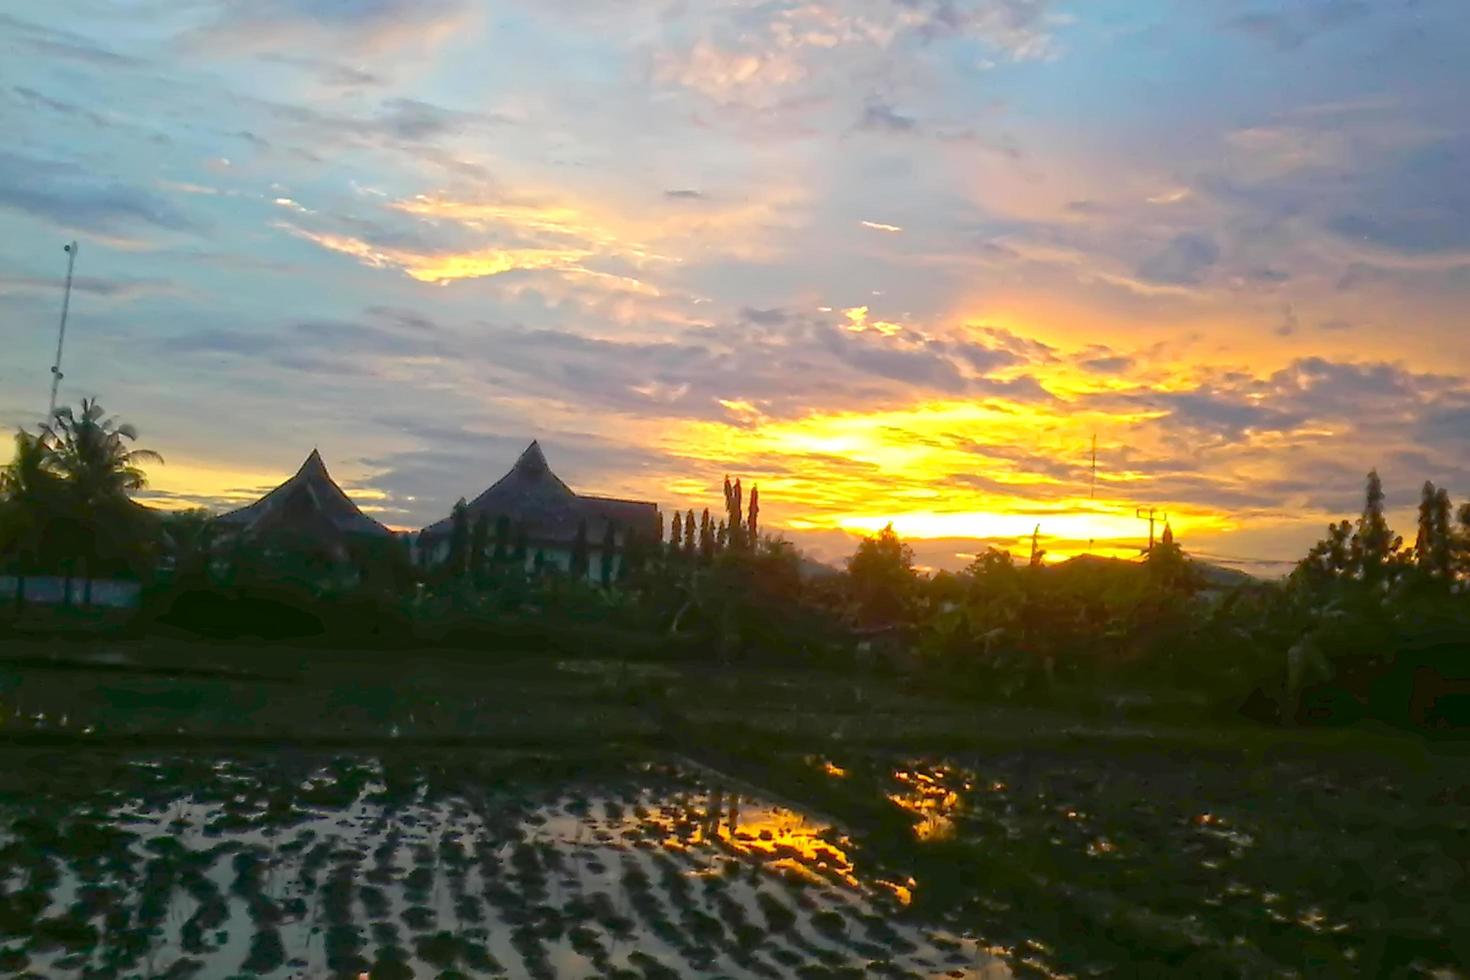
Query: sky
(890, 260)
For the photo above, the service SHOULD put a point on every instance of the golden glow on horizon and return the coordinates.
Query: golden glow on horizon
(189, 485)
(990, 471)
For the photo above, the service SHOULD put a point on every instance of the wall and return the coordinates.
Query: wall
(555, 556)
(51, 590)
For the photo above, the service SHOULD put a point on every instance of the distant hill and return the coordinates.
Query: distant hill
(810, 569)
(1221, 576)
(1214, 576)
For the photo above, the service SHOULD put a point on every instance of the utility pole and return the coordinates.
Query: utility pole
(1151, 515)
(71, 262)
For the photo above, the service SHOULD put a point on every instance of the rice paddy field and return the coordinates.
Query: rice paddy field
(170, 811)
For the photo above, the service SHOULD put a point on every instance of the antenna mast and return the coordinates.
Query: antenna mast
(71, 261)
(1151, 515)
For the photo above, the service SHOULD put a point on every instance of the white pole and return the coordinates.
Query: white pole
(71, 261)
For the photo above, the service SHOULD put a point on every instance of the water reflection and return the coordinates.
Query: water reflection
(384, 869)
(932, 794)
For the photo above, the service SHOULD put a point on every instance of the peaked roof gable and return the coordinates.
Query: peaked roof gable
(532, 494)
(310, 499)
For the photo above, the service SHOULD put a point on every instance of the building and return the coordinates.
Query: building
(308, 509)
(542, 515)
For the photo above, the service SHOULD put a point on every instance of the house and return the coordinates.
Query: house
(309, 508)
(541, 517)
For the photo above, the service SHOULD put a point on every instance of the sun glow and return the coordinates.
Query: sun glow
(992, 471)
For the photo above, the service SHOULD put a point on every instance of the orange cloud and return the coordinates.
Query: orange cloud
(442, 267)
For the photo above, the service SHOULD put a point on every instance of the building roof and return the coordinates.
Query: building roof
(534, 497)
(309, 502)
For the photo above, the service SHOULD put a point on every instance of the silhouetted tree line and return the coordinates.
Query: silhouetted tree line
(65, 505)
(1365, 624)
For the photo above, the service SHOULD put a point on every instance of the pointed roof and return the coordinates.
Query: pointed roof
(310, 501)
(532, 462)
(530, 494)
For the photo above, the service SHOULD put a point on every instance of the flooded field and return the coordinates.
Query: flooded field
(170, 810)
(355, 867)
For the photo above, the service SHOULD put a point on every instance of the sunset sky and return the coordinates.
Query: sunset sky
(891, 259)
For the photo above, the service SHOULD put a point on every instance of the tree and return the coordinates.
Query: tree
(459, 539)
(479, 544)
(753, 520)
(1462, 542)
(1442, 556)
(578, 566)
(1434, 545)
(882, 575)
(635, 553)
(689, 542)
(189, 535)
(609, 553)
(522, 547)
(30, 493)
(706, 537)
(502, 539)
(1375, 545)
(734, 519)
(93, 454)
(676, 535)
(1167, 565)
(1330, 558)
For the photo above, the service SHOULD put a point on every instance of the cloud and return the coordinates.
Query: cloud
(66, 45)
(749, 77)
(882, 117)
(1021, 29)
(1185, 261)
(685, 194)
(119, 289)
(411, 119)
(1415, 205)
(1289, 30)
(39, 100)
(332, 73)
(766, 318)
(370, 26)
(443, 267)
(1108, 364)
(71, 198)
(789, 55)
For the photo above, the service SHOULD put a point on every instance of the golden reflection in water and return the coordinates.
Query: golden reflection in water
(927, 794)
(772, 836)
(903, 891)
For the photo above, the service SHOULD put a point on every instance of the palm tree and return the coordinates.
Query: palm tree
(29, 497)
(92, 452)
